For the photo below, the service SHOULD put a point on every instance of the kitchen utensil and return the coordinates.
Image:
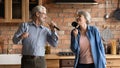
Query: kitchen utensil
(106, 16)
(106, 34)
(116, 13)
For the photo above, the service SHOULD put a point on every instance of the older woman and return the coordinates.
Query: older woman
(87, 44)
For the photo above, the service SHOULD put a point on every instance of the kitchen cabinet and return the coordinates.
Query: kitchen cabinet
(52, 63)
(113, 63)
(12, 11)
(4, 10)
(66, 63)
(16, 11)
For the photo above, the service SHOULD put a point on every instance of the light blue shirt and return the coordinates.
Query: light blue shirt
(35, 43)
(96, 43)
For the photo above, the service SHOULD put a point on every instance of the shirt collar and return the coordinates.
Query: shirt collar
(88, 27)
(33, 23)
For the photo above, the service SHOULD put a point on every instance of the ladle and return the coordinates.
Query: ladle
(106, 16)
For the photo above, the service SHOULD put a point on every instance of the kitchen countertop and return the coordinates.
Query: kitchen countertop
(109, 56)
(15, 59)
(53, 56)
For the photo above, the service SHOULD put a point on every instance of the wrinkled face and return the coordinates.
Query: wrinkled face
(41, 16)
(80, 19)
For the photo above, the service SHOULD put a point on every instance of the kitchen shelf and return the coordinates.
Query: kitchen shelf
(74, 3)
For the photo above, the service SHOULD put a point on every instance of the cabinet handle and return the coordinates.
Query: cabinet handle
(109, 62)
(69, 62)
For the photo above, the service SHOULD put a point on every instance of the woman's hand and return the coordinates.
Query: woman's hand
(75, 32)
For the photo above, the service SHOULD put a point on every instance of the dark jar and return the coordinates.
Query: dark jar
(107, 48)
(47, 49)
(118, 49)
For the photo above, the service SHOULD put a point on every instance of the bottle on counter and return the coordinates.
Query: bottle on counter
(118, 47)
(47, 49)
(107, 47)
(113, 47)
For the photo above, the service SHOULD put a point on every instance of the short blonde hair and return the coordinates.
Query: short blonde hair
(38, 8)
(85, 14)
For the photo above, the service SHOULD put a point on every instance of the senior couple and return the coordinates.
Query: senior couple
(86, 41)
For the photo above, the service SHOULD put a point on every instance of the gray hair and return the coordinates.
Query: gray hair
(85, 14)
(38, 8)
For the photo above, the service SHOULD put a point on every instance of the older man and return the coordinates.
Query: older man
(34, 37)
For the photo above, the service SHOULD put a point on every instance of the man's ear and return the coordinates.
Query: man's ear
(37, 14)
